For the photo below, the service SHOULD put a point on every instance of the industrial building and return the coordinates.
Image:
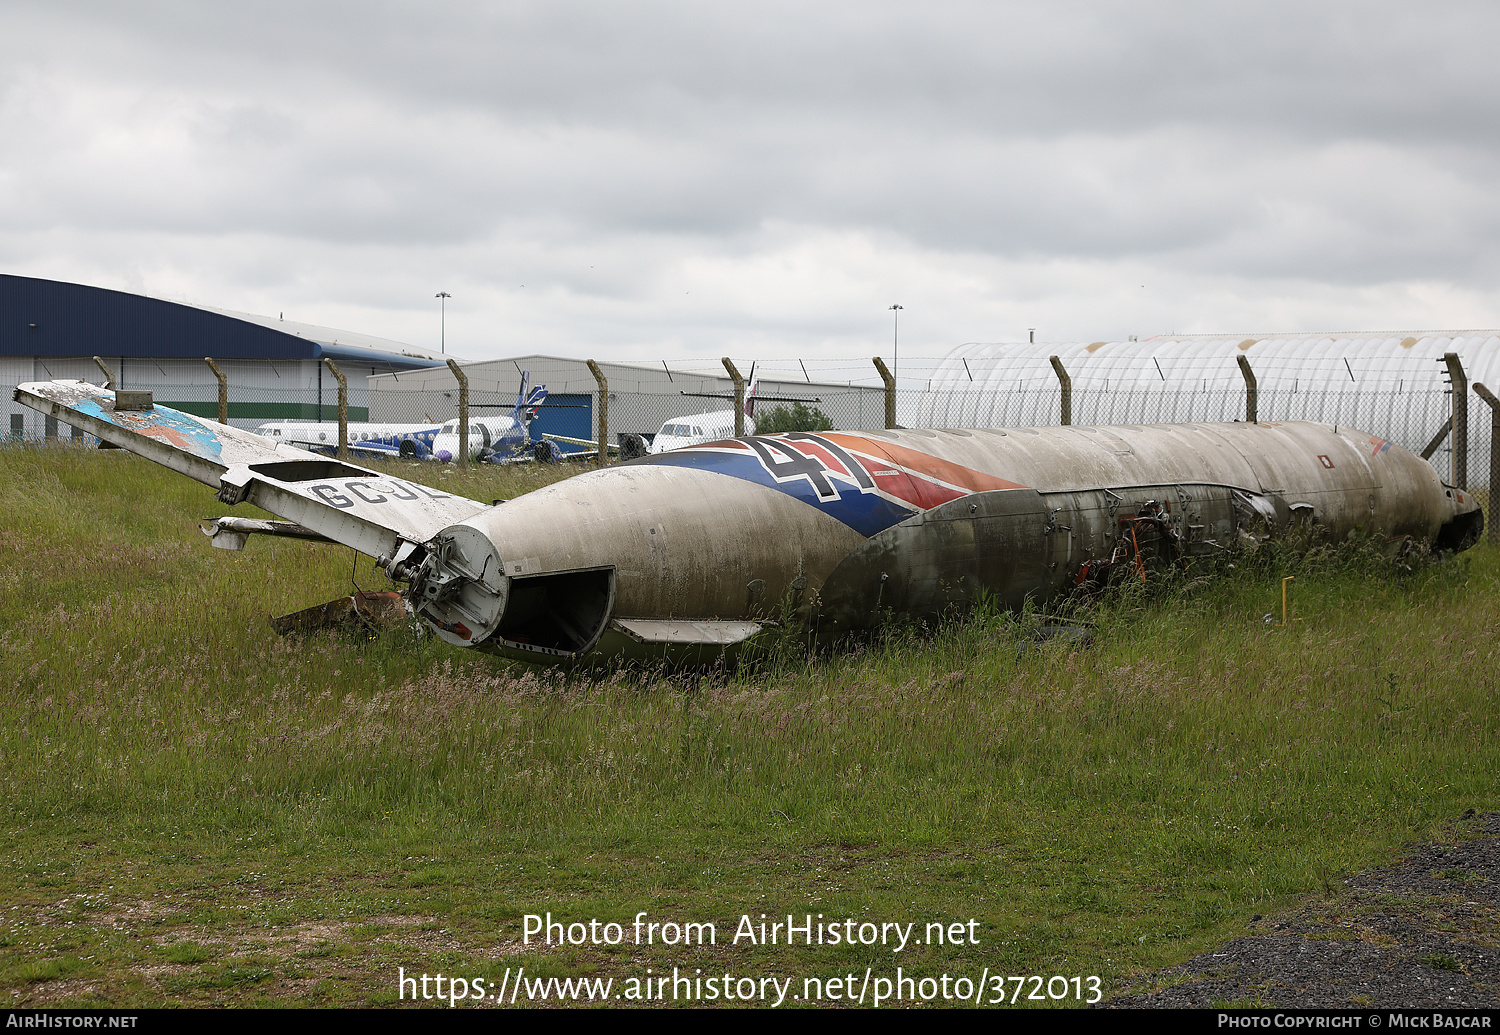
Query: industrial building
(51, 329)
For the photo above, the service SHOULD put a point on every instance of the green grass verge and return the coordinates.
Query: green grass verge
(198, 812)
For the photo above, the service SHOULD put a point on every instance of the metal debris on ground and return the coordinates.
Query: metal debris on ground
(374, 610)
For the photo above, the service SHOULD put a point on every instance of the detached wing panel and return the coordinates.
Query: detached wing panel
(360, 508)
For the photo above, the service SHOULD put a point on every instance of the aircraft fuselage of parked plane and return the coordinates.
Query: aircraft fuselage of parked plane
(498, 438)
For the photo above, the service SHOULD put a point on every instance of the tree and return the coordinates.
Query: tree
(800, 417)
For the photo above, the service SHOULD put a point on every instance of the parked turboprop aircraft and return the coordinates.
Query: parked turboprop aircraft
(702, 427)
(413, 441)
(700, 547)
(497, 438)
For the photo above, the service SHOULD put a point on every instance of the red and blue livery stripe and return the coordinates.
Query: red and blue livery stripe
(867, 484)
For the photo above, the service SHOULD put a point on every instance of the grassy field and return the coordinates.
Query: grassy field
(197, 811)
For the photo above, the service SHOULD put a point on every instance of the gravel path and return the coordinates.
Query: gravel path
(1423, 932)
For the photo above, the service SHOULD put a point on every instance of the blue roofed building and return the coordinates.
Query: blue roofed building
(51, 330)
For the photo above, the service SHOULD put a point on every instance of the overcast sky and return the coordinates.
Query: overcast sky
(644, 180)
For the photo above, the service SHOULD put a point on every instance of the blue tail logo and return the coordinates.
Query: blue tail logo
(528, 402)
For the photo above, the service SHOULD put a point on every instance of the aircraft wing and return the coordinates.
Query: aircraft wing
(586, 442)
(367, 510)
(373, 449)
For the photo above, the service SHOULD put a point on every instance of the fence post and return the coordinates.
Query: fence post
(109, 375)
(1067, 390)
(1437, 439)
(1489, 397)
(343, 407)
(601, 435)
(223, 390)
(1460, 420)
(463, 413)
(890, 392)
(739, 397)
(1252, 393)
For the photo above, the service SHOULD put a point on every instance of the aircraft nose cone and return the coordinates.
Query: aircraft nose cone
(444, 455)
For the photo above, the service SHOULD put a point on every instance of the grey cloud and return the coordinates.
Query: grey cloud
(1345, 144)
(1363, 68)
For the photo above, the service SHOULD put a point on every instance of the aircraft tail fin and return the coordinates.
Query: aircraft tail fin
(527, 401)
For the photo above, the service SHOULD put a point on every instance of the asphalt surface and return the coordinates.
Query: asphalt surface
(1423, 932)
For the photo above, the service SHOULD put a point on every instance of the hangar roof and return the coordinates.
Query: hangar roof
(1338, 360)
(1392, 383)
(54, 318)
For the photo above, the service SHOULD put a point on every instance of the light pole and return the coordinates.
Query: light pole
(443, 297)
(895, 341)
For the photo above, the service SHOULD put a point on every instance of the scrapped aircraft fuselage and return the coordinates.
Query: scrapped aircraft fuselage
(694, 545)
(700, 548)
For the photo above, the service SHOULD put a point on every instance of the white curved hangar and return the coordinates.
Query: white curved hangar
(1393, 384)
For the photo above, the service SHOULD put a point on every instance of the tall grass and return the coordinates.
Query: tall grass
(1196, 765)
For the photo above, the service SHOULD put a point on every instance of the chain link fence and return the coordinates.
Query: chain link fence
(640, 400)
(697, 400)
(1408, 418)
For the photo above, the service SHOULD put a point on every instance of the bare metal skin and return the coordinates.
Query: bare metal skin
(696, 549)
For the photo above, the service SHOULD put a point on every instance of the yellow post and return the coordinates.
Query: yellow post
(1284, 581)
